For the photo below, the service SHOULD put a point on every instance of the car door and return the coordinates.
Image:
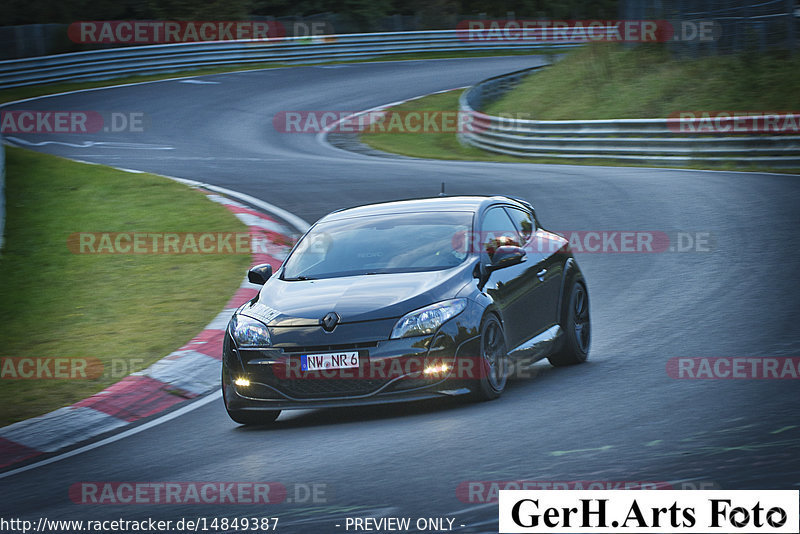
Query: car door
(542, 248)
(512, 288)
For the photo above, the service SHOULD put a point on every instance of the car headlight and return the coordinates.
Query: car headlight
(248, 332)
(425, 321)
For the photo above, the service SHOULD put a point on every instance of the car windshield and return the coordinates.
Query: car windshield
(391, 243)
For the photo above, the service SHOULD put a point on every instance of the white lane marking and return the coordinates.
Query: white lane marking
(410, 61)
(225, 201)
(61, 428)
(90, 144)
(188, 370)
(257, 222)
(122, 435)
(233, 72)
(198, 82)
(220, 322)
(164, 157)
(247, 285)
(132, 84)
(321, 136)
(300, 224)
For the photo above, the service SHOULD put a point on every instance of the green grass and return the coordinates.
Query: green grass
(125, 310)
(131, 309)
(429, 144)
(446, 145)
(608, 81)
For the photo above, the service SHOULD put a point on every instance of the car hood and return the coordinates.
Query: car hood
(354, 298)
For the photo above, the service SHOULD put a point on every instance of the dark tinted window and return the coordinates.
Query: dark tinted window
(497, 230)
(391, 243)
(523, 221)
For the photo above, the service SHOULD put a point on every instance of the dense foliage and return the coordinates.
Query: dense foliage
(367, 13)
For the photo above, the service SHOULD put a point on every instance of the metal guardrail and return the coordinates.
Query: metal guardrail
(638, 140)
(154, 59)
(654, 141)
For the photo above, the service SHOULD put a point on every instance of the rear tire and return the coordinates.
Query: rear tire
(576, 326)
(493, 362)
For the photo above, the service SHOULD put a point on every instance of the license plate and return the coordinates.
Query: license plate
(333, 360)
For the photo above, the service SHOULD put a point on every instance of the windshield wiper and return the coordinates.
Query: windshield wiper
(301, 277)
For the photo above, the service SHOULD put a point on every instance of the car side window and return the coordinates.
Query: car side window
(523, 221)
(497, 230)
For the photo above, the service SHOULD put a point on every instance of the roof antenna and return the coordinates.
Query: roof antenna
(442, 193)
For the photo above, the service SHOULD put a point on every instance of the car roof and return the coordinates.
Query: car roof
(473, 203)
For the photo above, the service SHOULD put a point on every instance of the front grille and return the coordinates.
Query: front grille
(290, 349)
(287, 377)
(310, 388)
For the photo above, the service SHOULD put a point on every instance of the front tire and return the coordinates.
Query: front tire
(493, 361)
(576, 326)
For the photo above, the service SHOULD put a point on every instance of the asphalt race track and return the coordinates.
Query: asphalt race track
(620, 417)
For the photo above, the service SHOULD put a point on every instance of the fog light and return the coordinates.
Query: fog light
(242, 382)
(438, 369)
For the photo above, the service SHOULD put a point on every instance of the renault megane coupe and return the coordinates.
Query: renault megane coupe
(403, 301)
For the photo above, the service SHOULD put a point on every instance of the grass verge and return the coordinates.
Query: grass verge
(435, 145)
(609, 81)
(126, 310)
(628, 90)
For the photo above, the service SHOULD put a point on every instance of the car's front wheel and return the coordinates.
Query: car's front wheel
(576, 327)
(493, 363)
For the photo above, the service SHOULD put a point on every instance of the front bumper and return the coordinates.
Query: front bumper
(389, 370)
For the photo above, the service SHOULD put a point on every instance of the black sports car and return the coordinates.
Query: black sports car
(402, 301)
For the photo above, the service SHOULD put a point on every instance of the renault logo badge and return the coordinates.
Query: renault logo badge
(330, 321)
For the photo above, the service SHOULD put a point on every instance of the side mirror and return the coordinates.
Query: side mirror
(506, 256)
(259, 274)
